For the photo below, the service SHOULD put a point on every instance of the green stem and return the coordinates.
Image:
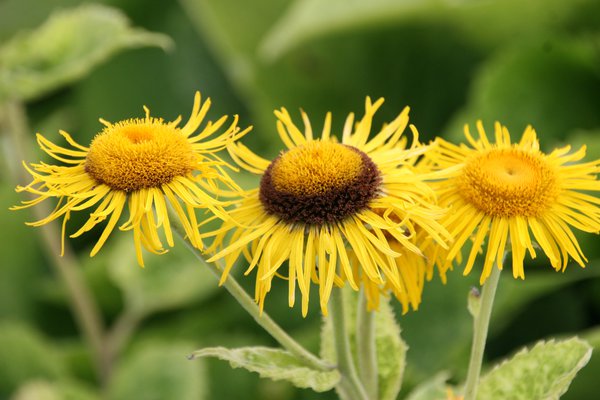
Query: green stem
(248, 303)
(481, 324)
(350, 385)
(366, 346)
(83, 306)
(121, 331)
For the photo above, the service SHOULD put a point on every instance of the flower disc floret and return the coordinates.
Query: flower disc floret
(511, 197)
(319, 182)
(143, 165)
(509, 183)
(331, 211)
(139, 153)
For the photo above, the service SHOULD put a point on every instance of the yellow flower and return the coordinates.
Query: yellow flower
(135, 164)
(506, 192)
(413, 270)
(322, 204)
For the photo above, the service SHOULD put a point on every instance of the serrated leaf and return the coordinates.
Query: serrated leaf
(158, 370)
(391, 352)
(585, 386)
(435, 388)
(167, 281)
(542, 373)
(45, 390)
(391, 349)
(65, 48)
(444, 305)
(276, 364)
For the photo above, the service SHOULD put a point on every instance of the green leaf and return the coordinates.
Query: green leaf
(542, 373)
(433, 389)
(309, 19)
(25, 355)
(66, 48)
(168, 281)
(487, 23)
(45, 390)
(537, 76)
(391, 349)
(585, 386)
(444, 305)
(391, 352)
(158, 370)
(276, 364)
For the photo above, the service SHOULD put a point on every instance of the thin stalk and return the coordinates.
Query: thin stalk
(350, 384)
(481, 324)
(366, 347)
(248, 303)
(85, 310)
(121, 331)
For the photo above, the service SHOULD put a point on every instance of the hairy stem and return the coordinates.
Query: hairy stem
(366, 346)
(481, 324)
(248, 303)
(350, 385)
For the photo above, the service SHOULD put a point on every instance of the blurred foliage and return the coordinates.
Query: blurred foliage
(452, 61)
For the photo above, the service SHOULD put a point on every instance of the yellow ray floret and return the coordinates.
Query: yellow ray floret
(511, 197)
(330, 212)
(144, 165)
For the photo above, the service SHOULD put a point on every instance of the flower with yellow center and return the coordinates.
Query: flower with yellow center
(517, 198)
(332, 209)
(144, 165)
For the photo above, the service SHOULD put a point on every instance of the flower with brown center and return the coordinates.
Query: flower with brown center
(331, 209)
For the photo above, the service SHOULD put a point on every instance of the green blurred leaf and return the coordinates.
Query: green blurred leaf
(432, 389)
(25, 355)
(21, 268)
(65, 48)
(549, 83)
(408, 64)
(542, 373)
(168, 281)
(156, 371)
(488, 23)
(495, 23)
(44, 390)
(309, 19)
(391, 349)
(276, 364)
(588, 138)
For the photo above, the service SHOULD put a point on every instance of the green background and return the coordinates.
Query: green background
(451, 61)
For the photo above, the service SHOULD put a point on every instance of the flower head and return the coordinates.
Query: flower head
(336, 211)
(135, 164)
(516, 197)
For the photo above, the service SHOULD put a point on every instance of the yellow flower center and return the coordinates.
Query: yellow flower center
(509, 182)
(315, 168)
(319, 182)
(139, 153)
